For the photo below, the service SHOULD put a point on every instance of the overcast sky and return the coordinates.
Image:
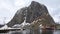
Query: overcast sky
(9, 7)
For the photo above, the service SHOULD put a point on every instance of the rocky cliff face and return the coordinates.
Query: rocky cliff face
(18, 18)
(35, 10)
(30, 13)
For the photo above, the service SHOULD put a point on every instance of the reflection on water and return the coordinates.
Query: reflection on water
(47, 32)
(56, 32)
(28, 32)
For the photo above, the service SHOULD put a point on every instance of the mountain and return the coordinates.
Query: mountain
(1, 26)
(30, 13)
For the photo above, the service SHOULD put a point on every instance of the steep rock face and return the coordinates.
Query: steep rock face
(18, 18)
(31, 12)
(35, 10)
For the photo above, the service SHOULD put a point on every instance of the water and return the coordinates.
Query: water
(27, 32)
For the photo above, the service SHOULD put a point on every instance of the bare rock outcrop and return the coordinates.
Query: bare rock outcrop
(30, 13)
